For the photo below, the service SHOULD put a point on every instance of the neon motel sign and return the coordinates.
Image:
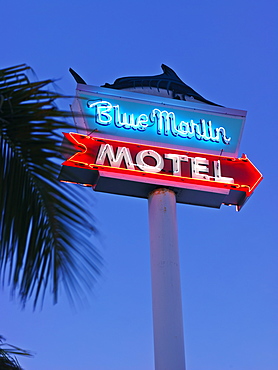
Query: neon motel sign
(134, 143)
(114, 166)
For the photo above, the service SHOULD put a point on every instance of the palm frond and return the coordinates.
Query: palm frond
(8, 353)
(43, 223)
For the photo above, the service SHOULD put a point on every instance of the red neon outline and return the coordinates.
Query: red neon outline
(173, 178)
(75, 141)
(259, 180)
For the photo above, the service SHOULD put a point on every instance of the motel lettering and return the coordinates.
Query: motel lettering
(149, 160)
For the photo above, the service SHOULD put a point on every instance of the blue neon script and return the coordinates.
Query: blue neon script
(160, 121)
(165, 122)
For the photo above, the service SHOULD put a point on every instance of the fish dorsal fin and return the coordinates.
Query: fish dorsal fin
(169, 72)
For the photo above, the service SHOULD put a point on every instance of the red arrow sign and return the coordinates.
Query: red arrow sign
(127, 158)
(141, 160)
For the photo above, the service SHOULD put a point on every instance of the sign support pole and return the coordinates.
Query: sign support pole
(166, 291)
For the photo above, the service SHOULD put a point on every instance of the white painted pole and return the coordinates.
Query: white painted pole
(166, 290)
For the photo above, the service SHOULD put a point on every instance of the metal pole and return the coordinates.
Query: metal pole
(166, 291)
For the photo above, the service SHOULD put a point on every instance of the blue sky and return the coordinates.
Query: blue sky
(227, 52)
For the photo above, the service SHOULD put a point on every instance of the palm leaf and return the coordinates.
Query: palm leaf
(44, 224)
(8, 360)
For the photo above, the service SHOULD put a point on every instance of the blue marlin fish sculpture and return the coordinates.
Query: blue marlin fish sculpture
(168, 84)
